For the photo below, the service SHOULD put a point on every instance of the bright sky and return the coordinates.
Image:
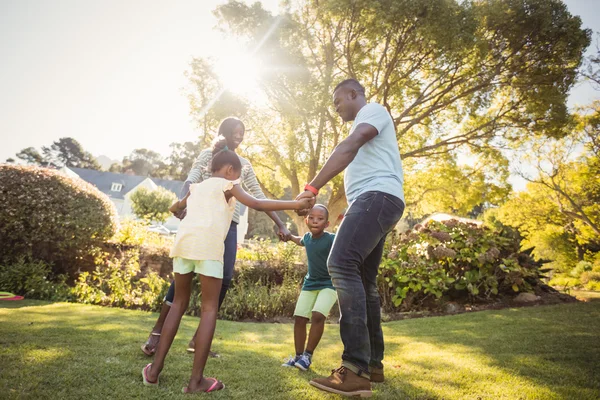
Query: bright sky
(110, 73)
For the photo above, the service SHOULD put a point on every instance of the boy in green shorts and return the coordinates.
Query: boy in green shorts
(318, 294)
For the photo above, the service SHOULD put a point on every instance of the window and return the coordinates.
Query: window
(116, 187)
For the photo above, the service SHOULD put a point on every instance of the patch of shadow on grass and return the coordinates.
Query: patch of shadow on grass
(554, 347)
(12, 304)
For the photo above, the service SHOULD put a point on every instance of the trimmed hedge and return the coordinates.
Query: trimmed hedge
(50, 217)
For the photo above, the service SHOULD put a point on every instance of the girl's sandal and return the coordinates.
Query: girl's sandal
(148, 382)
(149, 348)
(213, 388)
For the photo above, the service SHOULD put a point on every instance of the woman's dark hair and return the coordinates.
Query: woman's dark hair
(223, 156)
(228, 125)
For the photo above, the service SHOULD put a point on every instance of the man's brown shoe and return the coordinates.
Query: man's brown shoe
(345, 382)
(376, 374)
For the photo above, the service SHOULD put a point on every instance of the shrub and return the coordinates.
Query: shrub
(580, 268)
(51, 217)
(255, 300)
(118, 283)
(136, 233)
(152, 205)
(32, 280)
(563, 281)
(454, 259)
(267, 281)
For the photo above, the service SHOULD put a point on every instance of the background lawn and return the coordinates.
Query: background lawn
(73, 351)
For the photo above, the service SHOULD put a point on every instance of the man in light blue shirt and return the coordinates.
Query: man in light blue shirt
(374, 188)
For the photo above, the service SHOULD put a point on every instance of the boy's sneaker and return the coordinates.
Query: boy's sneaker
(291, 361)
(304, 362)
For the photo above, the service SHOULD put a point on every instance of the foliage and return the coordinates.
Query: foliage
(454, 259)
(51, 217)
(559, 213)
(152, 205)
(455, 76)
(32, 279)
(585, 275)
(143, 162)
(266, 284)
(69, 152)
(260, 225)
(118, 283)
(182, 158)
(63, 152)
(257, 301)
(31, 156)
(443, 185)
(136, 233)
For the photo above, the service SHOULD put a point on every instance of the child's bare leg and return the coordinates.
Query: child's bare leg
(164, 311)
(171, 325)
(317, 326)
(211, 287)
(300, 333)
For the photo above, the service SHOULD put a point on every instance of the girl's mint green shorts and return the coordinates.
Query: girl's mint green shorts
(205, 267)
(320, 301)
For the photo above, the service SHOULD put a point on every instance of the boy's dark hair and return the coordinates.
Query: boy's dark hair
(223, 156)
(352, 83)
(324, 208)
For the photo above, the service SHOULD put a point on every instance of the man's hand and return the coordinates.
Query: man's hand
(180, 214)
(307, 194)
(284, 234)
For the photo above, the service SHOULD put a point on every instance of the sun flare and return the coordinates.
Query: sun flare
(239, 72)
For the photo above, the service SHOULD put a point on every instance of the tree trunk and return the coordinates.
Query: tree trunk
(337, 204)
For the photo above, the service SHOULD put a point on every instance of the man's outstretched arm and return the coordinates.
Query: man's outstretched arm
(341, 157)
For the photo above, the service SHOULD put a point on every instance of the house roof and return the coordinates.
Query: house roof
(104, 180)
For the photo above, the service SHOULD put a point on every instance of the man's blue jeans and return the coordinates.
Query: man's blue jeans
(353, 265)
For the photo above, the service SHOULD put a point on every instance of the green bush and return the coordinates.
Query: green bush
(152, 205)
(267, 281)
(585, 275)
(562, 281)
(48, 216)
(118, 283)
(136, 233)
(32, 280)
(593, 285)
(453, 259)
(580, 268)
(255, 300)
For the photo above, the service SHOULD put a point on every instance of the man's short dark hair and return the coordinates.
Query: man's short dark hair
(352, 83)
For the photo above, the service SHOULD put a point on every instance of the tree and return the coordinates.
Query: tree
(69, 152)
(455, 76)
(209, 101)
(144, 162)
(152, 205)
(31, 156)
(559, 213)
(465, 190)
(10, 160)
(182, 158)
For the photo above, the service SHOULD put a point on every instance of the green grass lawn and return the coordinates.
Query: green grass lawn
(72, 351)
